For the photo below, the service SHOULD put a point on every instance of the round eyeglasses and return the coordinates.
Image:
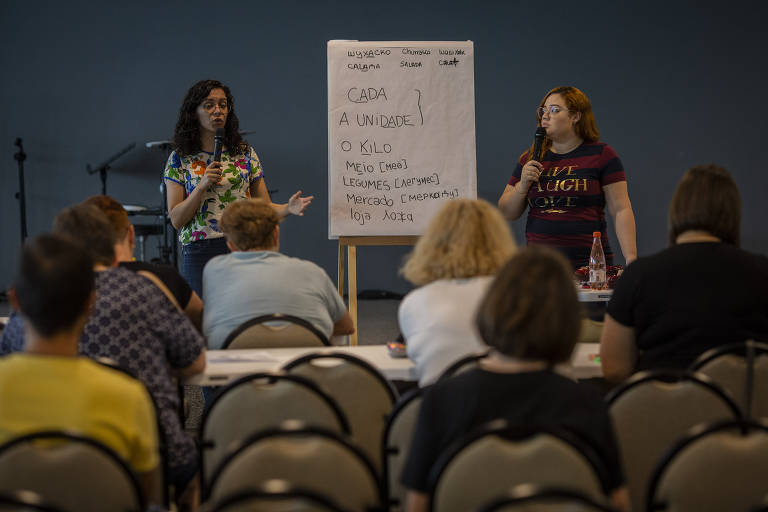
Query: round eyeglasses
(210, 106)
(552, 109)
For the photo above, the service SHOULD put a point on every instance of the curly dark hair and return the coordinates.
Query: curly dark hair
(186, 136)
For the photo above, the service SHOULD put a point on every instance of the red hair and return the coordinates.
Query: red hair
(575, 101)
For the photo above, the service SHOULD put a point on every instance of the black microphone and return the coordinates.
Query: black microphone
(538, 141)
(218, 142)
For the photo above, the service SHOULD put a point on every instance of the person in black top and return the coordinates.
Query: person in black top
(164, 277)
(701, 292)
(530, 318)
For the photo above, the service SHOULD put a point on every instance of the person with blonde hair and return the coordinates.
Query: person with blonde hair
(256, 279)
(453, 263)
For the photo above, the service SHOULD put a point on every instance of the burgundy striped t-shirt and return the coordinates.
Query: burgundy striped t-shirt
(568, 203)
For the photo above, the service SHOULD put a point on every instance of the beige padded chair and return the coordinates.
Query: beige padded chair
(313, 459)
(742, 370)
(652, 410)
(533, 498)
(363, 393)
(69, 471)
(275, 330)
(275, 496)
(716, 468)
(258, 402)
(494, 459)
(397, 437)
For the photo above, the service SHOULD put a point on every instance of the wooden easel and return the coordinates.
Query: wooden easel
(351, 243)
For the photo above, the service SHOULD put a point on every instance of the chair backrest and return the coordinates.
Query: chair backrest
(275, 496)
(24, 501)
(715, 468)
(462, 365)
(654, 409)
(742, 370)
(69, 471)
(314, 459)
(534, 498)
(499, 456)
(396, 441)
(363, 393)
(275, 330)
(258, 402)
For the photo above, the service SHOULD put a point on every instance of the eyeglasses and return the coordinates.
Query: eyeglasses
(210, 106)
(552, 109)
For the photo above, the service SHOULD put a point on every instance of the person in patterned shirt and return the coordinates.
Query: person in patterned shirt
(199, 188)
(135, 325)
(567, 188)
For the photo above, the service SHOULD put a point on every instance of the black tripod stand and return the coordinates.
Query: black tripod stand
(103, 167)
(20, 156)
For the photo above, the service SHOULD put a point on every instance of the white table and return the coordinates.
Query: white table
(224, 366)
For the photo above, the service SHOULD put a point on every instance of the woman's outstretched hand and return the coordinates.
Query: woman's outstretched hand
(297, 204)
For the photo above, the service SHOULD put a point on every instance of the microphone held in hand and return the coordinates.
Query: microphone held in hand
(218, 142)
(538, 141)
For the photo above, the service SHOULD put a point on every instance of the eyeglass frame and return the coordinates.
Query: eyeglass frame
(223, 106)
(540, 111)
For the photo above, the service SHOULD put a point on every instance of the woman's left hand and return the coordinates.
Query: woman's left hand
(297, 204)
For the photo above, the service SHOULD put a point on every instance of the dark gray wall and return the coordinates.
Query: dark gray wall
(672, 85)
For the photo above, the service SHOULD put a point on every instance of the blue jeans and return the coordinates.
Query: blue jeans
(195, 255)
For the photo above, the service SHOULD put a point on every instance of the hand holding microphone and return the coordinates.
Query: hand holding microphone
(533, 168)
(213, 171)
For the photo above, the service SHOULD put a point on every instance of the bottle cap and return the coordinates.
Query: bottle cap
(596, 234)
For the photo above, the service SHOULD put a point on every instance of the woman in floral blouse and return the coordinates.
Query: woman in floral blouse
(199, 189)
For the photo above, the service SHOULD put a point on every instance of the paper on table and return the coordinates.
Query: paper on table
(236, 356)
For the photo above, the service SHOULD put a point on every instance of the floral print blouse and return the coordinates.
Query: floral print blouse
(239, 172)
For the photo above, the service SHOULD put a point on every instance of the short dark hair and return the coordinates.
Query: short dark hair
(53, 283)
(249, 224)
(530, 310)
(114, 213)
(88, 226)
(706, 199)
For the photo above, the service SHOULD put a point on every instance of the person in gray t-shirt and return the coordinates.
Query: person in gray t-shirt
(256, 279)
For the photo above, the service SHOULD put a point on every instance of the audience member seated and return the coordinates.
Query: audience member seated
(701, 292)
(464, 245)
(165, 277)
(136, 325)
(256, 279)
(48, 387)
(530, 317)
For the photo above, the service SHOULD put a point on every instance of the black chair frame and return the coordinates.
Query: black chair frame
(504, 428)
(76, 437)
(289, 492)
(750, 349)
(275, 317)
(347, 357)
(386, 450)
(529, 493)
(460, 363)
(27, 500)
(696, 433)
(271, 378)
(292, 429)
(674, 376)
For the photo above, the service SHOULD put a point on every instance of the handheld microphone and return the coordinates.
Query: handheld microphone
(538, 141)
(218, 142)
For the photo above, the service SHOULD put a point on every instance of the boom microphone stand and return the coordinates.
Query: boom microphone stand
(104, 166)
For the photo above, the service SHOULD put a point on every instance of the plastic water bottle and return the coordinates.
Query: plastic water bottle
(597, 277)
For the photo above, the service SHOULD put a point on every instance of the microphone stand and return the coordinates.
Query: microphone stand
(104, 166)
(20, 156)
